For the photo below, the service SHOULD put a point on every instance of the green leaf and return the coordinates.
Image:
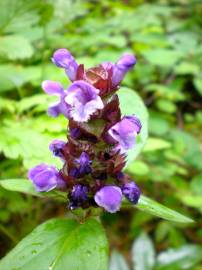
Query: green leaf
(196, 184)
(154, 144)
(15, 47)
(19, 185)
(61, 244)
(166, 106)
(117, 262)
(182, 258)
(198, 85)
(131, 103)
(162, 57)
(154, 208)
(143, 253)
(26, 186)
(138, 167)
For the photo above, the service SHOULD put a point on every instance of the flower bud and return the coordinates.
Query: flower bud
(131, 192)
(109, 197)
(45, 178)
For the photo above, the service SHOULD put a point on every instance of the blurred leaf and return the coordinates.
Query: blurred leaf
(15, 47)
(183, 258)
(131, 103)
(166, 106)
(196, 184)
(18, 15)
(162, 57)
(13, 76)
(186, 68)
(117, 262)
(198, 85)
(19, 140)
(154, 144)
(19, 185)
(138, 168)
(143, 253)
(61, 244)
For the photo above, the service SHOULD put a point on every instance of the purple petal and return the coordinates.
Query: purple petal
(83, 100)
(109, 197)
(125, 132)
(56, 147)
(75, 133)
(54, 109)
(78, 196)
(63, 59)
(132, 192)
(84, 162)
(52, 87)
(123, 65)
(79, 193)
(45, 178)
(107, 65)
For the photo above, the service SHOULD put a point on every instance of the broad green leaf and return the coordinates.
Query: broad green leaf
(182, 258)
(117, 262)
(152, 207)
(154, 144)
(131, 103)
(15, 47)
(143, 253)
(61, 244)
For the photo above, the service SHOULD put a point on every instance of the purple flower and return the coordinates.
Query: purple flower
(78, 196)
(109, 197)
(52, 87)
(131, 192)
(63, 59)
(45, 178)
(56, 147)
(75, 133)
(125, 131)
(55, 88)
(84, 163)
(123, 65)
(83, 100)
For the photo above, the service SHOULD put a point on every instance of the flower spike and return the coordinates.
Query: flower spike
(98, 138)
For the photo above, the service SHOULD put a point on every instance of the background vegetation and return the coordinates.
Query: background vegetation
(166, 37)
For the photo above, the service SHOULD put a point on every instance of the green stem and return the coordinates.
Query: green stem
(8, 234)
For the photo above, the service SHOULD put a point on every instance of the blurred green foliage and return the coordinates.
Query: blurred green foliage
(166, 37)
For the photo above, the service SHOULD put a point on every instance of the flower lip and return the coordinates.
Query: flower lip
(127, 61)
(109, 197)
(62, 58)
(52, 87)
(83, 100)
(125, 132)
